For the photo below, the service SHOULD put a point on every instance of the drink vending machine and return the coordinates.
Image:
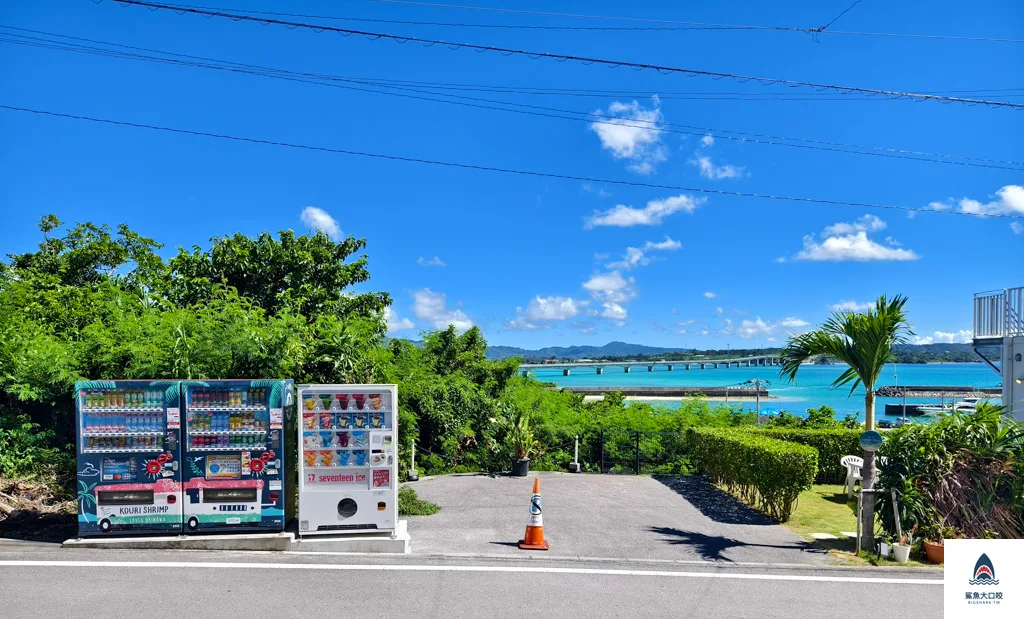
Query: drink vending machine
(128, 453)
(233, 455)
(348, 458)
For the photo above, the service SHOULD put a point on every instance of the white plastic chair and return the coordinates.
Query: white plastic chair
(853, 466)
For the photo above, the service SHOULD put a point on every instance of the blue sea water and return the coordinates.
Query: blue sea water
(811, 389)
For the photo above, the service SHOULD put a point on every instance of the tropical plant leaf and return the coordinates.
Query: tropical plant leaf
(95, 384)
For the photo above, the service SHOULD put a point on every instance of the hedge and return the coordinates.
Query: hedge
(765, 472)
(832, 444)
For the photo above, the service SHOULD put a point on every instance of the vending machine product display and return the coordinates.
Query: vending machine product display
(348, 458)
(233, 455)
(128, 452)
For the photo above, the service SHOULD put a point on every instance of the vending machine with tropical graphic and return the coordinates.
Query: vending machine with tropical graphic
(348, 458)
(233, 455)
(129, 455)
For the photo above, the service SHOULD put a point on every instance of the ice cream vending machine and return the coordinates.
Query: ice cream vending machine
(233, 452)
(348, 458)
(128, 456)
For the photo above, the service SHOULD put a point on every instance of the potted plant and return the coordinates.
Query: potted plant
(934, 547)
(523, 444)
(901, 551)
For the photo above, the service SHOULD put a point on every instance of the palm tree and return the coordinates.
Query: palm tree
(865, 343)
(862, 341)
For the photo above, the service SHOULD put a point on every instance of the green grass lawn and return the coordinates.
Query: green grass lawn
(824, 509)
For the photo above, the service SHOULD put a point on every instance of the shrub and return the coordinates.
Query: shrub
(963, 472)
(765, 472)
(831, 443)
(26, 451)
(410, 504)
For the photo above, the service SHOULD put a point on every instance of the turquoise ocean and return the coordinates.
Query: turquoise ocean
(811, 389)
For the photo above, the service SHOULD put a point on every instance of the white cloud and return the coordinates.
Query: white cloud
(770, 339)
(521, 323)
(792, 323)
(686, 323)
(752, 328)
(433, 262)
(924, 339)
(716, 172)
(710, 295)
(611, 287)
(601, 193)
(667, 245)
(1016, 227)
(939, 206)
(319, 219)
(1010, 201)
(553, 308)
(719, 311)
(867, 223)
(704, 331)
(707, 140)
(433, 308)
(630, 132)
(849, 241)
(780, 259)
(395, 323)
(588, 330)
(614, 311)
(624, 216)
(637, 256)
(963, 336)
(851, 306)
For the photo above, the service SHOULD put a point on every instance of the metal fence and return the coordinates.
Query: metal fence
(636, 452)
(999, 313)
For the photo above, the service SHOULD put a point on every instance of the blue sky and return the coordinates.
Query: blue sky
(534, 261)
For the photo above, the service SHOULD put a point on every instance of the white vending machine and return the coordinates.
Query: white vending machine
(348, 458)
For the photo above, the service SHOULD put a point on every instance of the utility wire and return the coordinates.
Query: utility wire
(470, 166)
(694, 23)
(848, 9)
(588, 117)
(581, 59)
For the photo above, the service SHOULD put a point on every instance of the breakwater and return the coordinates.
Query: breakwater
(936, 391)
(682, 392)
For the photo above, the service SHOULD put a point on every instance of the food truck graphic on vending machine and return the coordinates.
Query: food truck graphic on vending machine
(128, 454)
(233, 454)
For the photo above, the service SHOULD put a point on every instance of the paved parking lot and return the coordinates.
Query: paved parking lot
(602, 516)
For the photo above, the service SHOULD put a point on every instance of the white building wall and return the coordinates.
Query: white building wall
(1013, 375)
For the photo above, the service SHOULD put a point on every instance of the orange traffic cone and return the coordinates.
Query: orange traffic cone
(534, 539)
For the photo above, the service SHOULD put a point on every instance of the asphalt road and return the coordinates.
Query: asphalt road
(606, 516)
(49, 583)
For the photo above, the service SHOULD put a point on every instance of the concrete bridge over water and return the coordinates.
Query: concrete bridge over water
(599, 366)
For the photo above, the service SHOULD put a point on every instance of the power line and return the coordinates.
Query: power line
(848, 9)
(401, 86)
(470, 166)
(581, 59)
(694, 23)
(406, 22)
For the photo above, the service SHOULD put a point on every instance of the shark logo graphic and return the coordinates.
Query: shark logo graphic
(984, 573)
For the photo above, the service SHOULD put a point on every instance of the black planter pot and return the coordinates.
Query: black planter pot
(520, 468)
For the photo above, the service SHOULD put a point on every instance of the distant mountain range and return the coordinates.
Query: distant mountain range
(624, 349)
(611, 349)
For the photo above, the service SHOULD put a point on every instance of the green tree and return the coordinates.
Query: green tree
(309, 273)
(864, 342)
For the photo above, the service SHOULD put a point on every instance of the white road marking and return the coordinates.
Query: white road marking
(466, 568)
